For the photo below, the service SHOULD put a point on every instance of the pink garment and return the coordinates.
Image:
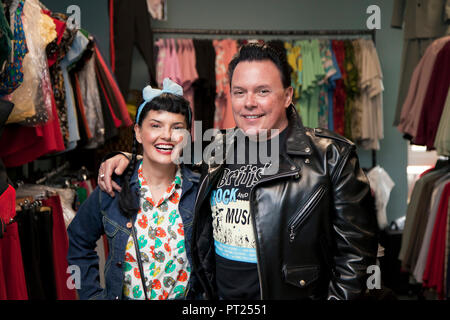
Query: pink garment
(225, 50)
(171, 63)
(160, 61)
(183, 60)
(186, 57)
(412, 107)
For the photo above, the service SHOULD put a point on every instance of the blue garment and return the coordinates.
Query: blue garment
(331, 87)
(100, 214)
(75, 52)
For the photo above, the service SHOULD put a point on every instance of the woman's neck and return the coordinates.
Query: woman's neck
(157, 174)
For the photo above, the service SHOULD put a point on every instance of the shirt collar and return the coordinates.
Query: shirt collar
(175, 185)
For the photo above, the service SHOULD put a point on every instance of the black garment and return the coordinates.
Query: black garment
(5, 110)
(4, 182)
(110, 128)
(131, 22)
(36, 237)
(238, 280)
(205, 85)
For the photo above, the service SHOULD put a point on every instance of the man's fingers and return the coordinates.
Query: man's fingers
(116, 187)
(123, 163)
(117, 165)
(100, 181)
(109, 167)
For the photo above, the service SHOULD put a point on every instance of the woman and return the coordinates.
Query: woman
(148, 223)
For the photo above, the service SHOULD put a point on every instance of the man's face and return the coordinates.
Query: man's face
(258, 98)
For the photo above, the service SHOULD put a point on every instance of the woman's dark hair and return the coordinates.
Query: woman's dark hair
(261, 52)
(165, 102)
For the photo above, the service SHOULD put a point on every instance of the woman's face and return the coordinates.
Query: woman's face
(161, 135)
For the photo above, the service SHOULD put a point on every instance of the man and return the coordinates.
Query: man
(305, 231)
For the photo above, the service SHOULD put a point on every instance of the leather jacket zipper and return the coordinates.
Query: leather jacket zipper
(294, 173)
(304, 212)
(194, 222)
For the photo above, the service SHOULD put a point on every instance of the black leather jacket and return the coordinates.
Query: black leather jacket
(314, 221)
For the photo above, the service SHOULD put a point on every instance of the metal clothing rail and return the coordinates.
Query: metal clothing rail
(238, 32)
(264, 32)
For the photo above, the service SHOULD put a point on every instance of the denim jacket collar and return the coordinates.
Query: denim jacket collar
(189, 178)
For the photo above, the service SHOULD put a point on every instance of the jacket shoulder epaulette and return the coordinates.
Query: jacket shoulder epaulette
(325, 133)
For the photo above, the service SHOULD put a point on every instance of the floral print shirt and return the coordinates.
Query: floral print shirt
(160, 234)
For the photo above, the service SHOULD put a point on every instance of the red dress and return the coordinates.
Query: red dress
(12, 277)
(433, 276)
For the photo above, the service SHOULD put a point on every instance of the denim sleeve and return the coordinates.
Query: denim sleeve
(84, 231)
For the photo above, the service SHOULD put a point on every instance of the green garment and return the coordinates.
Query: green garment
(330, 70)
(81, 194)
(5, 37)
(313, 73)
(351, 86)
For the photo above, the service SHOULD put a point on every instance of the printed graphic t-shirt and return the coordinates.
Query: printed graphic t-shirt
(234, 240)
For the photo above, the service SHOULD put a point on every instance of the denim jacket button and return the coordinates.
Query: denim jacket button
(129, 225)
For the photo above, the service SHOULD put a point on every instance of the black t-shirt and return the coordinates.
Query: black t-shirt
(235, 246)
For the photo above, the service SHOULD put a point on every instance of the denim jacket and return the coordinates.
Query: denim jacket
(100, 214)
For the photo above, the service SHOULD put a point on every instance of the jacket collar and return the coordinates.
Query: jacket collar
(189, 177)
(297, 142)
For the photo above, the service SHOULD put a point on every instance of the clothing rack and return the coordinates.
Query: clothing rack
(53, 173)
(265, 32)
(241, 32)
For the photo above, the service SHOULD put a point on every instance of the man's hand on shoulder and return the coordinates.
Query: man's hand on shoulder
(117, 165)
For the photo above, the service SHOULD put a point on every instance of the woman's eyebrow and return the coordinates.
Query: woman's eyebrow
(179, 122)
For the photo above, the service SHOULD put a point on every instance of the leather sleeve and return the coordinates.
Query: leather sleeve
(355, 227)
(398, 14)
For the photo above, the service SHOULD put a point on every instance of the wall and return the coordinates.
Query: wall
(282, 15)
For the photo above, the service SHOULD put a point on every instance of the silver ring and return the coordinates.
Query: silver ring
(102, 176)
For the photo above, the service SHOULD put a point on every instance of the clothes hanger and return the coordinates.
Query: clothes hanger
(442, 162)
